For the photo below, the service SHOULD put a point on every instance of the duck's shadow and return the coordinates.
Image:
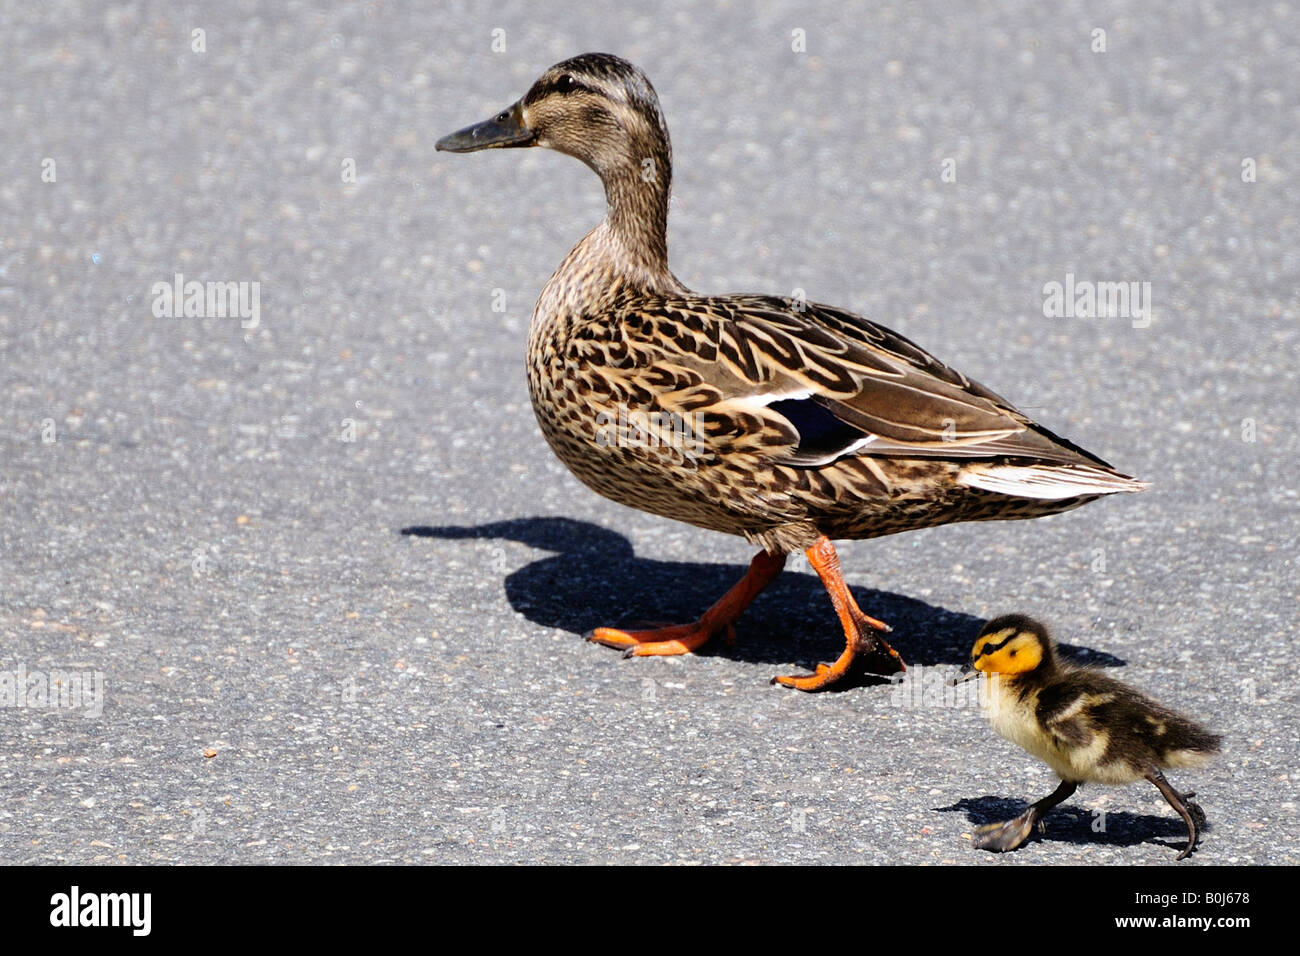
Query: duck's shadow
(1079, 825)
(594, 579)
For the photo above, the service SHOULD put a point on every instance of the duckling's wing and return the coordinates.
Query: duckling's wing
(1065, 713)
(1118, 732)
(825, 383)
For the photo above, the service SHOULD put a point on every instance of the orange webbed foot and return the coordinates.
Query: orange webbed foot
(719, 619)
(863, 650)
(659, 642)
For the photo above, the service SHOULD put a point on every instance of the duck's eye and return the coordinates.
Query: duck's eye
(566, 83)
(1012, 654)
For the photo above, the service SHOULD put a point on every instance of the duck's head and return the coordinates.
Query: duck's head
(1011, 645)
(596, 107)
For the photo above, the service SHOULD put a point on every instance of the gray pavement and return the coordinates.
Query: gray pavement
(208, 513)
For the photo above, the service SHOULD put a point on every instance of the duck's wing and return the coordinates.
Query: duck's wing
(814, 383)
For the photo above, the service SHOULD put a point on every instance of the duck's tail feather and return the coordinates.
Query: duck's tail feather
(1047, 482)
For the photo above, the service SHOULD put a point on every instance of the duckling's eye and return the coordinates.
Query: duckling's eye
(566, 83)
(1012, 654)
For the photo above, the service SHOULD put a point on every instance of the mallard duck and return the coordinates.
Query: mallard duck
(785, 421)
(1084, 725)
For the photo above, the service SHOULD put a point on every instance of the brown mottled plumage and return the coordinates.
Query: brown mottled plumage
(785, 421)
(1086, 726)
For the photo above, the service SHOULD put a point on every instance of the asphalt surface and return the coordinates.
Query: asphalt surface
(209, 516)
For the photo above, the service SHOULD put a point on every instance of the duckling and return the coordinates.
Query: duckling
(788, 422)
(1084, 725)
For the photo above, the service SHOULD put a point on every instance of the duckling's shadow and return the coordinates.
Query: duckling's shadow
(596, 580)
(1079, 825)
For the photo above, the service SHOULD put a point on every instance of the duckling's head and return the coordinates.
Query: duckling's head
(1011, 645)
(596, 107)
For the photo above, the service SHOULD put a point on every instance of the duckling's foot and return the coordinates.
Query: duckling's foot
(1004, 837)
(684, 638)
(863, 650)
(1191, 812)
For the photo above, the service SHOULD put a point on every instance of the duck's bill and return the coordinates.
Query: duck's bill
(502, 131)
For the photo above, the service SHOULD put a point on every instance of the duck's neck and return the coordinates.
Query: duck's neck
(633, 239)
(636, 215)
(628, 251)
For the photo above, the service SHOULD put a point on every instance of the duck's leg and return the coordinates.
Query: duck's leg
(861, 643)
(685, 638)
(1182, 802)
(1004, 837)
